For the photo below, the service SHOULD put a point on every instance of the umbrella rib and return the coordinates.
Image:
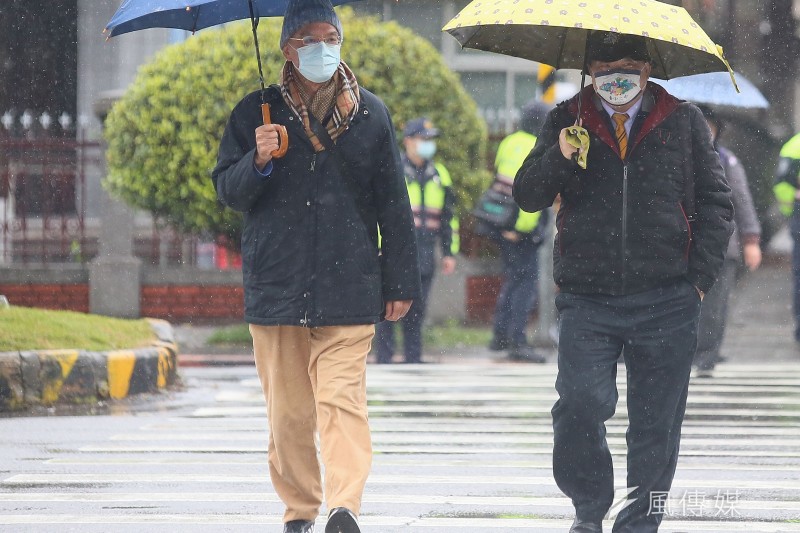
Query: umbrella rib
(195, 17)
(660, 59)
(561, 49)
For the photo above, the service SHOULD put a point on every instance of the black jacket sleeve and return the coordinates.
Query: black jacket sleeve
(545, 172)
(712, 227)
(446, 229)
(399, 261)
(236, 180)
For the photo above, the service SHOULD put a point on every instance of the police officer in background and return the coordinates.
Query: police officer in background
(430, 191)
(519, 245)
(786, 192)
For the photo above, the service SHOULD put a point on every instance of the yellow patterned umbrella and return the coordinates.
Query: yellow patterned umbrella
(554, 32)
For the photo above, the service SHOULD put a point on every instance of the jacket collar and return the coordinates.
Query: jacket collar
(657, 105)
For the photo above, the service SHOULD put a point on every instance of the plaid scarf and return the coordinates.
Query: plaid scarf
(345, 105)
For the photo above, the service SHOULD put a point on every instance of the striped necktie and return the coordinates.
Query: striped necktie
(622, 137)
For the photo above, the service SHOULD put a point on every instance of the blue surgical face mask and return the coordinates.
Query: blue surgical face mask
(426, 149)
(318, 62)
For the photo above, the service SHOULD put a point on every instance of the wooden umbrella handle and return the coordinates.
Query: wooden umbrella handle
(283, 135)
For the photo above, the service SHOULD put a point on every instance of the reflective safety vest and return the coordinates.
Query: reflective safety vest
(428, 201)
(510, 155)
(787, 176)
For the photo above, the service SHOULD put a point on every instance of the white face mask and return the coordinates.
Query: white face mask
(318, 62)
(618, 87)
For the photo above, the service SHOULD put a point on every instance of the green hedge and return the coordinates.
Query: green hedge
(163, 134)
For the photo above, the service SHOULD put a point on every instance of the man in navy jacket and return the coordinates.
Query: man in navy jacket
(632, 268)
(314, 282)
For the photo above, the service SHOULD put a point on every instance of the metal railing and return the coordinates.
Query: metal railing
(49, 175)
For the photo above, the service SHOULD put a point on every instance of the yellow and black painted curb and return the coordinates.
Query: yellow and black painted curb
(50, 377)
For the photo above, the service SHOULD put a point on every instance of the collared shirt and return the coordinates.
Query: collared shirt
(632, 112)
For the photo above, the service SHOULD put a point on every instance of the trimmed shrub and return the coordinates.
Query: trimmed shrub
(163, 134)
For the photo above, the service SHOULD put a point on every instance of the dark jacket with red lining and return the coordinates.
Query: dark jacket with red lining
(622, 227)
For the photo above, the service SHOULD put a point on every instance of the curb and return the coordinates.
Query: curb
(50, 377)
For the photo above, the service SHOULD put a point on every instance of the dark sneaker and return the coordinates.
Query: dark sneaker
(525, 353)
(498, 344)
(341, 520)
(298, 526)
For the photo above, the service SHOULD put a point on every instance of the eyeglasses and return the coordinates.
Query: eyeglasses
(308, 40)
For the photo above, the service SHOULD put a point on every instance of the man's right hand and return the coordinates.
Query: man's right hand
(266, 143)
(566, 148)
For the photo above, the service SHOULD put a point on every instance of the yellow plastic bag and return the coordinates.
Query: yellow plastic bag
(578, 137)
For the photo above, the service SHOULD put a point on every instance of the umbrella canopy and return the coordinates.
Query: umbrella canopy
(714, 88)
(554, 32)
(190, 15)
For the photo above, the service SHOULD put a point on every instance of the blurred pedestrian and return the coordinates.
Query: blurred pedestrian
(519, 242)
(632, 268)
(743, 244)
(314, 282)
(430, 191)
(787, 176)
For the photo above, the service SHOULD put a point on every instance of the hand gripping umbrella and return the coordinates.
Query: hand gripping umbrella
(555, 32)
(193, 15)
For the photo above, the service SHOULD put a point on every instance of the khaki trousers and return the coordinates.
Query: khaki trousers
(314, 382)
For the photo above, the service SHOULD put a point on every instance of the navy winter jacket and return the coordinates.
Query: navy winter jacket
(309, 245)
(622, 225)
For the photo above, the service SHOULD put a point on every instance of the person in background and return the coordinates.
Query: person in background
(314, 281)
(519, 245)
(744, 244)
(430, 191)
(632, 271)
(787, 176)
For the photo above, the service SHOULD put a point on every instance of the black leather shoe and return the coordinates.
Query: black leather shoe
(341, 520)
(298, 526)
(583, 526)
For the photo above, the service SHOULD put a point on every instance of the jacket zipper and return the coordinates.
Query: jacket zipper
(309, 301)
(624, 220)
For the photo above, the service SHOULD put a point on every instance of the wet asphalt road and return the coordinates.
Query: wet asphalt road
(459, 448)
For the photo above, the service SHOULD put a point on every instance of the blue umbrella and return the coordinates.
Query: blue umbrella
(193, 15)
(715, 88)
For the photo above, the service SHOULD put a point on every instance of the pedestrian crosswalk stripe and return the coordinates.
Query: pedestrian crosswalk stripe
(375, 479)
(705, 507)
(534, 524)
(422, 461)
(522, 411)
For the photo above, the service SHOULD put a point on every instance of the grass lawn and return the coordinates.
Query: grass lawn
(448, 335)
(24, 328)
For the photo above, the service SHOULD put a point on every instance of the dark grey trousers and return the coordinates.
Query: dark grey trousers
(658, 331)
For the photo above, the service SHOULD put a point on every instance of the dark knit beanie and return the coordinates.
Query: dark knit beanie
(302, 12)
(610, 46)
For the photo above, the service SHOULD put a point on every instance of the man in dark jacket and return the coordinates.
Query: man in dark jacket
(314, 282)
(632, 269)
(743, 245)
